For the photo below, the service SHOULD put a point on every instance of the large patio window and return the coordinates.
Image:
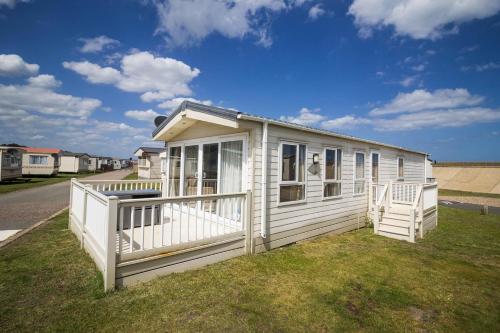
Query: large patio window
(292, 176)
(332, 186)
(359, 173)
(174, 172)
(206, 168)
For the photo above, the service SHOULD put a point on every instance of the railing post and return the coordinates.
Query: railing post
(84, 215)
(109, 273)
(376, 212)
(249, 244)
(70, 201)
(390, 193)
(421, 212)
(412, 226)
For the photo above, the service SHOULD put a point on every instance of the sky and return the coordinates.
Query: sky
(90, 76)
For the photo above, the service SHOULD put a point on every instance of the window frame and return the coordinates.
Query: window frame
(291, 182)
(337, 177)
(354, 173)
(377, 152)
(400, 178)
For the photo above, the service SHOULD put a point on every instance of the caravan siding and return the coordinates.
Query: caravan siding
(292, 222)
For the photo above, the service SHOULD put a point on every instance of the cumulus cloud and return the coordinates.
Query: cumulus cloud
(419, 109)
(142, 115)
(156, 78)
(421, 100)
(14, 65)
(438, 119)
(97, 44)
(187, 22)
(316, 11)
(307, 117)
(11, 3)
(44, 81)
(419, 19)
(173, 103)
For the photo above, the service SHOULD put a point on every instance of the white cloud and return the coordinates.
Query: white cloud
(187, 22)
(421, 100)
(306, 117)
(409, 81)
(97, 44)
(11, 3)
(438, 119)
(345, 122)
(38, 96)
(156, 77)
(44, 81)
(417, 18)
(418, 68)
(316, 11)
(14, 65)
(173, 103)
(146, 115)
(483, 67)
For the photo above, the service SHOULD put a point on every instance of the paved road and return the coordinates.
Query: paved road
(468, 206)
(21, 209)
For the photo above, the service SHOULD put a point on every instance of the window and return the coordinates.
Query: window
(332, 186)
(375, 163)
(359, 173)
(41, 160)
(174, 174)
(401, 169)
(142, 161)
(292, 178)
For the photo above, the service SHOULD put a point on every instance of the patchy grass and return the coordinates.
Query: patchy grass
(30, 182)
(449, 282)
(443, 192)
(132, 176)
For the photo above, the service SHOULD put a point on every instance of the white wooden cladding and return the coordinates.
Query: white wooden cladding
(124, 185)
(168, 224)
(404, 192)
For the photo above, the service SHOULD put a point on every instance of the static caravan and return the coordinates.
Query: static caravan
(74, 162)
(41, 161)
(94, 162)
(11, 161)
(116, 163)
(237, 183)
(105, 163)
(148, 164)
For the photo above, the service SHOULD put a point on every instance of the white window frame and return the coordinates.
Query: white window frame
(402, 178)
(371, 164)
(337, 178)
(46, 158)
(354, 173)
(292, 182)
(200, 142)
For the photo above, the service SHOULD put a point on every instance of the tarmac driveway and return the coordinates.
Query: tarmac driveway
(22, 209)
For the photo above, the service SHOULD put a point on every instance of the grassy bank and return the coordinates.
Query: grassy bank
(132, 176)
(454, 193)
(449, 282)
(30, 182)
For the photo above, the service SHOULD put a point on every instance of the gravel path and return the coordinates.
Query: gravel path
(21, 209)
(493, 202)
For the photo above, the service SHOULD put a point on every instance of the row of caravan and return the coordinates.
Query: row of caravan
(16, 161)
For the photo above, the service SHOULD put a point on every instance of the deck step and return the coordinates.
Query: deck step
(399, 217)
(395, 236)
(394, 229)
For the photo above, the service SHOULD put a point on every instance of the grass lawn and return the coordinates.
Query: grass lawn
(132, 176)
(449, 282)
(455, 193)
(23, 183)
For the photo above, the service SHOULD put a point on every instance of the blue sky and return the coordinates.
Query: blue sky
(91, 75)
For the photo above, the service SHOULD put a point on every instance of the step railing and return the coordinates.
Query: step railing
(381, 202)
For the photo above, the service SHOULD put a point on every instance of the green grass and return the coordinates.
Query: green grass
(30, 182)
(449, 282)
(455, 193)
(132, 176)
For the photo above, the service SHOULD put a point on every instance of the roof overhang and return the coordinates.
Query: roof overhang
(184, 119)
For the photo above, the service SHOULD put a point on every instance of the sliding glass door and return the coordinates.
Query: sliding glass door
(210, 168)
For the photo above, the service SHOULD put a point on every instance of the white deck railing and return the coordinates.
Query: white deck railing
(114, 231)
(123, 185)
(404, 193)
